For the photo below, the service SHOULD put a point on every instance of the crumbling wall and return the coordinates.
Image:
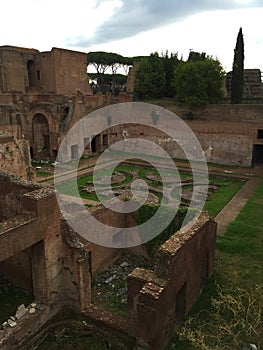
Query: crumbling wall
(159, 298)
(31, 233)
(15, 156)
(232, 141)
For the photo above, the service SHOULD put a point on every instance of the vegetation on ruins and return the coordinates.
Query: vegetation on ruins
(198, 81)
(237, 80)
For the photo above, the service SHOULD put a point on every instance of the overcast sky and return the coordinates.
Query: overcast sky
(137, 27)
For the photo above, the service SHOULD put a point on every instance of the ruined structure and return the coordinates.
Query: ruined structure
(42, 94)
(131, 77)
(44, 255)
(252, 83)
(160, 298)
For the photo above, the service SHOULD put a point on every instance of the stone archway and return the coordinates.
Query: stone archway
(41, 137)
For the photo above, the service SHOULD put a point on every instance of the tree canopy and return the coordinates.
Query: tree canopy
(237, 79)
(150, 77)
(103, 61)
(199, 81)
(169, 64)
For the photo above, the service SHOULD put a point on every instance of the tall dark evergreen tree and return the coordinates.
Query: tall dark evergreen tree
(237, 80)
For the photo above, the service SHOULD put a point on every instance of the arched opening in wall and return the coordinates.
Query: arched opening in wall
(41, 137)
(31, 71)
(257, 158)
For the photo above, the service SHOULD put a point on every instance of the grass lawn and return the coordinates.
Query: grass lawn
(239, 261)
(226, 190)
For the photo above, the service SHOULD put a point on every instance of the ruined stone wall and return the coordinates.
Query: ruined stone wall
(15, 156)
(218, 126)
(33, 220)
(58, 71)
(99, 256)
(252, 83)
(221, 112)
(58, 113)
(27, 326)
(70, 68)
(47, 73)
(159, 298)
(14, 69)
(131, 78)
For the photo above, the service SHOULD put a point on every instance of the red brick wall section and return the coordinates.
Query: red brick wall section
(156, 299)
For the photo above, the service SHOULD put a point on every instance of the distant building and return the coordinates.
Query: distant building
(252, 83)
(57, 71)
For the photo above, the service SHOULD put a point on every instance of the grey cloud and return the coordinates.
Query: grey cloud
(136, 16)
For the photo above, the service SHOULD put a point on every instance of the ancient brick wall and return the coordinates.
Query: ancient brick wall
(33, 217)
(221, 112)
(17, 65)
(252, 83)
(47, 73)
(231, 130)
(15, 156)
(70, 72)
(58, 71)
(131, 77)
(159, 298)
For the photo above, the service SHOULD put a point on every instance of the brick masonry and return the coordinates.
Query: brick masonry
(43, 254)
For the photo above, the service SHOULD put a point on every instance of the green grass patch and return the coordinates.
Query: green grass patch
(239, 261)
(227, 188)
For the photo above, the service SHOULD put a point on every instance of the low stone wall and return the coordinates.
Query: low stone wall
(24, 328)
(221, 112)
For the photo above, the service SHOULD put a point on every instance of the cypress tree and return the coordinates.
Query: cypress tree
(237, 80)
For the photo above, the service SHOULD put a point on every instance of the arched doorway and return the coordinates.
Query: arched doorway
(41, 137)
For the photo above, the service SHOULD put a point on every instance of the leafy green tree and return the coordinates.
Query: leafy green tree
(102, 61)
(237, 80)
(169, 63)
(199, 82)
(150, 77)
(126, 63)
(196, 56)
